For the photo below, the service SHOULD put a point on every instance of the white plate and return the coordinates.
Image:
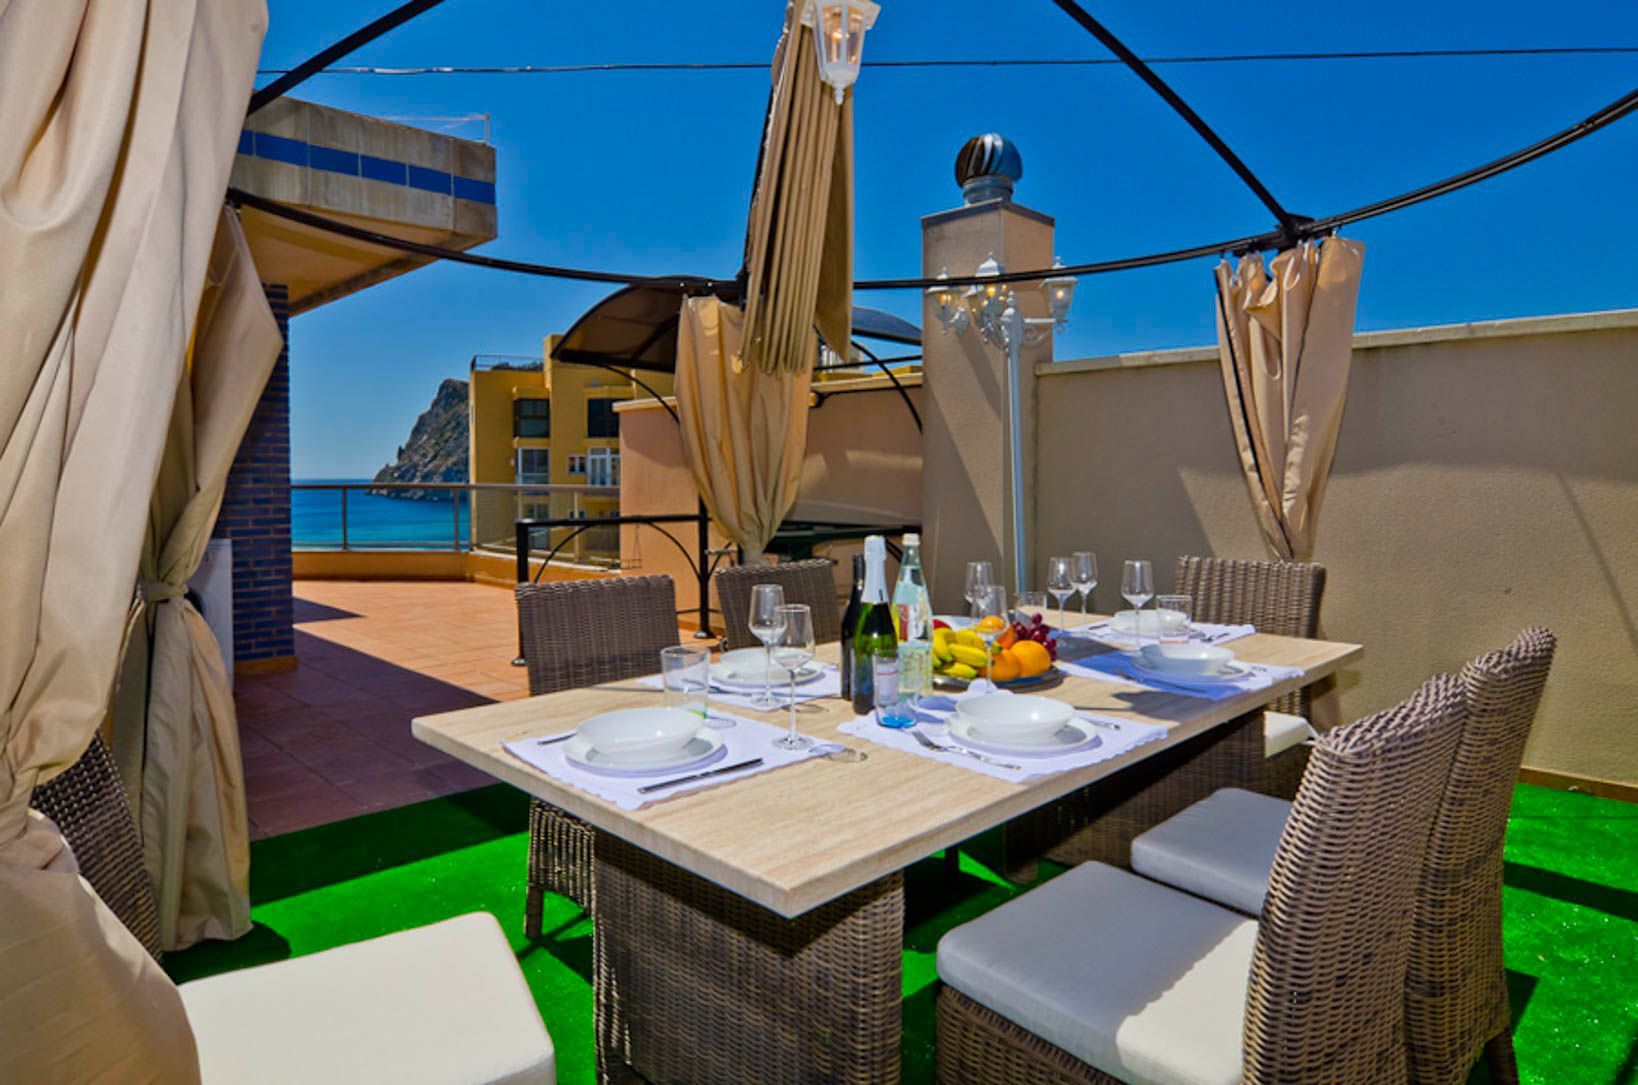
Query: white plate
(778, 677)
(700, 749)
(639, 735)
(1075, 734)
(1188, 659)
(1231, 673)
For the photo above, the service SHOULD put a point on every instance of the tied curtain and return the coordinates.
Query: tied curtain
(118, 122)
(175, 734)
(742, 376)
(1285, 338)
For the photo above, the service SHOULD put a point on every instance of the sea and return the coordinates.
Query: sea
(373, 521)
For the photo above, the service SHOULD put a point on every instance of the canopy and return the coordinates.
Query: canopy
(636, 326)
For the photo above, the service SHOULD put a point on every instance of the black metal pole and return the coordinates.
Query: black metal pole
(521, 541)
(702, 569)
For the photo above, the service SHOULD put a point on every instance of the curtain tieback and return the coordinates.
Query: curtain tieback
(158, 591)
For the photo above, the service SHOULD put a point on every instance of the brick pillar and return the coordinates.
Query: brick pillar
(256, 516)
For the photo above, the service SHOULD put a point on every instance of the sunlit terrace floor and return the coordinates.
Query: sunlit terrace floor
(375, 654)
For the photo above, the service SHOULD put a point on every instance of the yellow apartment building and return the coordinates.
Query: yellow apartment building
(540, 423)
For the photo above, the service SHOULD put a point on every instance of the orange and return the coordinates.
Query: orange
(1006, 639)
(1004, 667)
(992, 624)
(1032, 658)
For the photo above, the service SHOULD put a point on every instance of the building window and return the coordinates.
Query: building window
(534, 466)
(577, 465)
(603, 467)
(531, 418)
(600, 418)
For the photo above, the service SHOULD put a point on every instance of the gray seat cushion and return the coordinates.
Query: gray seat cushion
(1221, 848)
(1142, 982)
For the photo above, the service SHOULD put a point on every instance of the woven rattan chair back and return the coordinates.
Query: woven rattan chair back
(88, 804)
(582, 632)
(1279, 597)
(1456, 989)
(811, 582)
(1326, 996)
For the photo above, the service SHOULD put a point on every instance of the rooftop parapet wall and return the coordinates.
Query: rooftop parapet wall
(1486, 478)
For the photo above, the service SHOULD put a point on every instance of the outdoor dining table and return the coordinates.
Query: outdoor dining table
(752, 931)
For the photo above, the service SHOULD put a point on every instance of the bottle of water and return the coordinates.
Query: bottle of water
(913, 621)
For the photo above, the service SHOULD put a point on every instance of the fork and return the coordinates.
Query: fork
(974, 754)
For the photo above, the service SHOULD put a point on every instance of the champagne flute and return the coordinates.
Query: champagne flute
(979, 576)
(791, 650)
(766, 623)
(1137, 586)
(1083, 573)
(990, 603)
(1060, 583)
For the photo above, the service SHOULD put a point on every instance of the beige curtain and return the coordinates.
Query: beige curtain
(744, 431)
(175, 734)
(799, 245)
(1285, 336)
(118, 120)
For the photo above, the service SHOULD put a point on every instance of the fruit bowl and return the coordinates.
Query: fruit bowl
(1018, 653)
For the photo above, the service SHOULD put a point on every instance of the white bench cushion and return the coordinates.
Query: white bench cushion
(1282, 731)
(1144, 983)
(438, 1005)
(1220, 848)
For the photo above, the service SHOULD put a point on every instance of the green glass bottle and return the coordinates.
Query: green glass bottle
(874, 634)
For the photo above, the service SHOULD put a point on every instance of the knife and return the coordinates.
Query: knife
(646, 788)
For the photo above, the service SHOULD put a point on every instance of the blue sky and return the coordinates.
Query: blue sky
(650, 173)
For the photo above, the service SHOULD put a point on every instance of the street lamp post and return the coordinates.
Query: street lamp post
(992, 308)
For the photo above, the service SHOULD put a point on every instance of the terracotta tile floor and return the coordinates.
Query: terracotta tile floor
(331, 738)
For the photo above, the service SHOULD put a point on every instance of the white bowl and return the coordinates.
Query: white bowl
(750, 665)
(639, 735)
(1016, 718)
(1152, 624)
(1187, 658)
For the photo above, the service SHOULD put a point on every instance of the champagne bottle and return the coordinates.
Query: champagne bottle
(874, 635)
(850, 624)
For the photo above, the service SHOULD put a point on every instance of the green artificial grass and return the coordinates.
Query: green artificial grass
(1571, 919)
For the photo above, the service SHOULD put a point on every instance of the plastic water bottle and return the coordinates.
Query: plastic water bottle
(913, 621)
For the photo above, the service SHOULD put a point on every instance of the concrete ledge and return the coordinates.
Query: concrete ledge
(1609, 320)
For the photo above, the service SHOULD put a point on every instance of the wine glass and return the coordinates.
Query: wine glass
(791, 651)
(766, 623)
(979, 576)
(1060, 583)
(1137, 586)
(1083, 573)
(1030, 606)
(991, 602)
(685, 675)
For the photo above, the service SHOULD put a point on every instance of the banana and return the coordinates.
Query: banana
(972, 657)
(961, 670)
(969, 638)
(941, 646)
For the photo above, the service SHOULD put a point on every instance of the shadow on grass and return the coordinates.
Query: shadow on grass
(263, 945)
(298, 862)
(1620, 903)
(570, 942)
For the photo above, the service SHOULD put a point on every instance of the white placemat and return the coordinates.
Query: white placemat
(828, 684)
(743, 740)
(1091, 660)
(1115, 736)
(1202, 633)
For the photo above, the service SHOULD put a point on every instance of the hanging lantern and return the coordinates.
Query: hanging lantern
(1058, 290)
(838, 34)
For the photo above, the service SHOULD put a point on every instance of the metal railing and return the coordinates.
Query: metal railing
(450, 516)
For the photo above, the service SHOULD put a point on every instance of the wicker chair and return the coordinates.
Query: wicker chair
(1098, 823)
(1456, 994)
(88, 804)
(810, 582)
(580, 633)
(1327, 963)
